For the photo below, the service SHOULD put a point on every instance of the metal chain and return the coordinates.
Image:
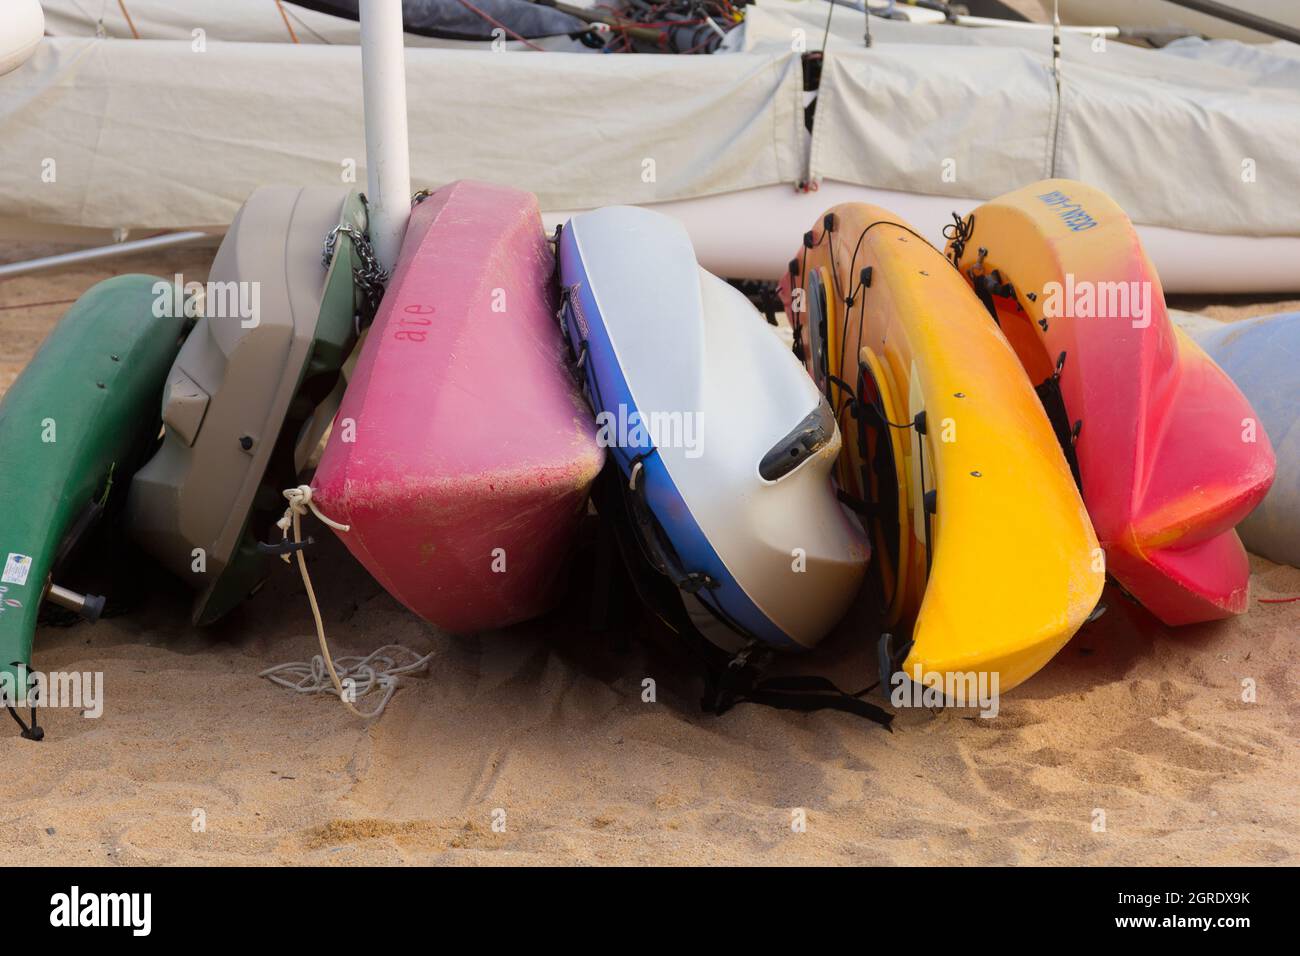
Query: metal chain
(370, 277)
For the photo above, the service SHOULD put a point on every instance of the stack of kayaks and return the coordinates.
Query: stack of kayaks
(984, 549)
(1261, 355)
(1005, 425)
(462, 455)
(1156, 430)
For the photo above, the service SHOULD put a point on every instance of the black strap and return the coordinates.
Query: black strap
(985, 288)
(740, 683)
(1053, 402)
(658, 578)
(34, 732)
(829, 698)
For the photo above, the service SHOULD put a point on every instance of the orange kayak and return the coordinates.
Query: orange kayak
(1168, 452)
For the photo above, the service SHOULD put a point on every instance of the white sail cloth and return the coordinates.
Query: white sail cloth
(152, 134)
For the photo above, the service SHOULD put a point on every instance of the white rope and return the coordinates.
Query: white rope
(376, 671)
(299, 501)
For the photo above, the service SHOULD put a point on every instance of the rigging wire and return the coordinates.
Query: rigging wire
(129, 22)
(501, 26)
(285, 17)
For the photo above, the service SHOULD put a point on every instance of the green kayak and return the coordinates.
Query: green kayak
(79, 417)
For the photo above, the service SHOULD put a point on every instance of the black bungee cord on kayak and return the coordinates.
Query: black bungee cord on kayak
(959, 232)
(918, 425)
(657, 553)
(811, 241)
(888, 655)
(729, 678)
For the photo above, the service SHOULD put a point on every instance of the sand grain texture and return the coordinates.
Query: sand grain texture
(547, 723)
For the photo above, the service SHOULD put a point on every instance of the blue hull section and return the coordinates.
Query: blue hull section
(608, 389)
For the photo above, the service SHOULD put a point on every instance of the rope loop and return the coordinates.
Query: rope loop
(378, 670)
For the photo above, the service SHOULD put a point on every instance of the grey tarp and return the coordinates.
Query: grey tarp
(1195, 137)
(152, 134)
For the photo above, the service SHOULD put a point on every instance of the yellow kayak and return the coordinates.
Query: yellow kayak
(983, 544)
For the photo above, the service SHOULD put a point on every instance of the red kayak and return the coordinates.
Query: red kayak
(1169, 453)
(463, 453)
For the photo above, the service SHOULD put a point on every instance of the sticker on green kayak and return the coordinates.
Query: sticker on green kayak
(16, 568)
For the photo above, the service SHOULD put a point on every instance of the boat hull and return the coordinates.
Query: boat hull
(1167, 464)
(74, 424)
(1004, 574)
(662, 341)
(462, 454)
(22, 25)
(250, 392)
(1260, 356)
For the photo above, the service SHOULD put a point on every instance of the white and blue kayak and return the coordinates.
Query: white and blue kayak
(724, 442)
(1260, 355)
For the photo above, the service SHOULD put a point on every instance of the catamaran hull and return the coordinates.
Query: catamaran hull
(745, 234)
(21, 27)
(1260, 355)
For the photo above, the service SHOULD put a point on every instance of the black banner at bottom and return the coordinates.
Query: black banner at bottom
(215, 905)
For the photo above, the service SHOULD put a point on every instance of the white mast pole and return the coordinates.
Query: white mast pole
(388, 154)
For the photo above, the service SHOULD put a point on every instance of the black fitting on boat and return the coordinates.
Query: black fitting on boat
(794, 268)
(864, 279)
(854, 503)
(808, 242)
(34, 732)
(284, 547)
(919, 422)
(828, 222)
(696, 581)
(807, 438)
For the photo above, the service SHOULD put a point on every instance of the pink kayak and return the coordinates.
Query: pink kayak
(463, 453)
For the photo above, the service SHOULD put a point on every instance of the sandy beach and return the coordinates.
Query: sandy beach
(544, 726)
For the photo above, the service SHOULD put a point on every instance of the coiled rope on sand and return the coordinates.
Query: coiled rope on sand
(378, 670)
